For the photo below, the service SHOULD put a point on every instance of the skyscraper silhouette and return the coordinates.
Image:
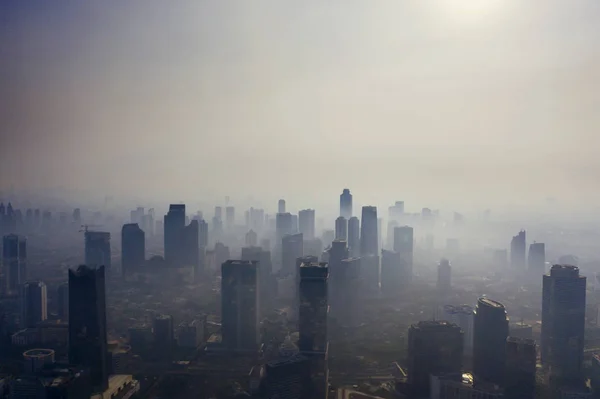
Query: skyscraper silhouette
(341, 228)
(518, 249)
(14, 260)
(444, 280)
(174, 223)
(34, 308)
(306, 223)
(292, 248)
(97, 249)
(404, 245)
(368, 231)
(537, 260)
(354, 236)
(490, 330)
(133, 248)
(346, 204)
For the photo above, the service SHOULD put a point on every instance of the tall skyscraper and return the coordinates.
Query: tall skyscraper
(288, 378)
(537, 260)
(520, 368)
(344, 281)
(403, 244)
(265, 270)
(281, 206)
(97, 249)
(292, 248)
(434, 347)
(14, 260)
(63, 302)
(34, 308)
(230, 218)
(164, 338)
(313, 307)
(368, 231)
(462, 316)
(444, 280)
(87, 323)
(240, 305)
(173, 224)
(369, 274)
(203, 233)
(490, 330)
(283, 226)
(563, 322)
(391, 273)
(346, 204)
(133, 248)
(306, 223)
(518, 249)
(341, 228)
(190, 245)
(354, 236)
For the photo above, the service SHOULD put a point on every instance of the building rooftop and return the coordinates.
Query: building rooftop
(491, 303)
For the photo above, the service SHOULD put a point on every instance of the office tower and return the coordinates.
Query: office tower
(391, 275)
(222, 254)
(190, 245)
(518, 248)
(346, 204)
(444, 280)
(97, 249)
(14, 260)
(344, 281)
(341, 228)
(87, 323)
(396, 211)
(434, 347)
(265, 270)
(462, 316)
(288, 378)
(389, 242)
(218, 212)
(490, 330)
(537, 260)
(133, 248)
(281, 206)
(240, 305)
(230, 218)
(563, 322)
(296, 285)
(203, 233)
(368, 231)
(173, 224)
(251, 238)
(520, 368)
(295, 224)
(63, 302)
(34, 308)
(403, 244)
(369, 274)
(306, 223)
(283, 226)
(256, 219)
(313, 307)
(164, 339)
(336, 285)
(354, 236)
(292, 248)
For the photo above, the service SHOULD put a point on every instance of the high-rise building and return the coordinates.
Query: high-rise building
(346, 204)
(444, 280)
(389, 242)
(173, 224)
(292, 248)
(341, 228)
(368, 231)
(288, 378)
(354, 236)
(190, 245)
(283, 226)
(87, 323)
(396, 211)
(313, 307)
(133, 248)
(391, 273)
(490, 330)
(265, 270)
(63, 302)
(34, 308)
(162, 328)
(203, 233)
(14, 260)
(97, 249)
(306, 223)
(344, 280)
(369, 274)
(304, 260)
(462, 316)
(434, 347)
(520, 368)
(229, 217)
(537, 260)
(404, 245)
(336, 283)
(251, 238)
(281, 206)
(563, 322)
(518, 249)
(240, 305)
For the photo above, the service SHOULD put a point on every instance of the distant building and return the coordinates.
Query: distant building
(537, 260)
(34, 307)
(444, 280)
(265, 270)
(283, 227)
(14, 261)
(396, 211)
(520, 368)
(346, 204)
(251, 238)
(341, 228)
(292, 248)
(63, 301)
(313, 307)
(133, 248)
(281, 206)
(391, 273)
(354, 236)
(288, 378)
(462, 316)
(369, 274)
(163, 337)
(434, 347)
(518, 249)
(306, 223)
(404, 245)
(97, 249)
(173, 224)
(368, 231)
(230, 218)
(490, 330)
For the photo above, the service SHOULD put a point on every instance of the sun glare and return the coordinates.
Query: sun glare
(469, 10)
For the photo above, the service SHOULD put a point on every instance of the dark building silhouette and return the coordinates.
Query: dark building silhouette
(281, 206)
(292, 248)
(391, 273)
(313, 307)
(240, 305)
(229, 218)
(34, 304)
(369, 274)
(563, 322)
(341, 228)
(346, 204)
(444, 280)
(133, 248)
(287, 378)
(537, 260)
(283, 226)
(87, 323)
(434, 347)
(97, 249)
(203, 233)
(266, 280)
(368, 231)
(354, 236)
(173, 224)
(518, 249)
(14, 261)
(520, 368)
(190, 244)
(306, 223)
(164, 339)
(63, 301)
(490, 330)
(336, 284)
(404, 245)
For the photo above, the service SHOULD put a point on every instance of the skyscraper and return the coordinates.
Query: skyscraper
(563, 322)
(518, 249)
(34, 308)
(520, 368)
(391, 273)
(164, 338)
(537, 260)
(462, 316)
(396, 211)
(230, 218)
(354, 236)
(133, 248)
(63, 302)
(490, 330)
(87, 323)
(344, 281)
(341, 228)
(444, 280)
(292, 248)
(281, 206)
(306, 223)
(434, 347)
(97, 249)
(173, 224)
(403, 244)
(251, 238)
(190, 245)
(283, 226)
(14, 260)
(265, 270)
(313, 307)
(368, 231)
(346, 204)
(240, 305)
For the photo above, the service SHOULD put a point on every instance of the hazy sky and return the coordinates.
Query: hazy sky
(448, 101)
